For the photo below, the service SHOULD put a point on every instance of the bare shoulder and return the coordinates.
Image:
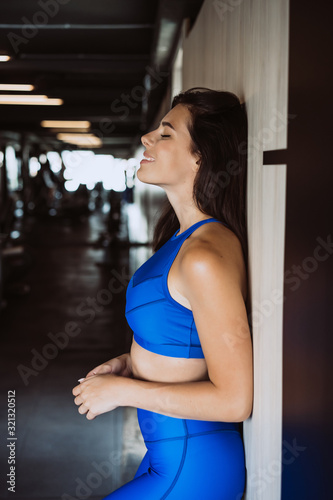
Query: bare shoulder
(212, 242)
(212, 252)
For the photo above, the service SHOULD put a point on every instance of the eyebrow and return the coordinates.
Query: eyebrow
(168, 124)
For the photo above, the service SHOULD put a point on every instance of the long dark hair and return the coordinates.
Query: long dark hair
(218, 130)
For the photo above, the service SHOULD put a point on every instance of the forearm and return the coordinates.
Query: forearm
(192, 400)
(127, 360)
(121, 365)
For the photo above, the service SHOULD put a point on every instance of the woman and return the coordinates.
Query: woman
(189, 371)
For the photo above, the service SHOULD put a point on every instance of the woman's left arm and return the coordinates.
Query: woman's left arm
(212, 284)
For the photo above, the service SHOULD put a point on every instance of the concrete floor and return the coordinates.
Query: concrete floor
(59, 454)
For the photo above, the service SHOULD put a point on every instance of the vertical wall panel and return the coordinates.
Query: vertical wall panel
(263, 432)
(242, 46)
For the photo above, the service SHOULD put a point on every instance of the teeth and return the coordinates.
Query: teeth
(149, 159)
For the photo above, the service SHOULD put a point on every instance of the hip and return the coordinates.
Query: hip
(158, 427)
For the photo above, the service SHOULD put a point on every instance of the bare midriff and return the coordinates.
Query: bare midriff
(147, 365)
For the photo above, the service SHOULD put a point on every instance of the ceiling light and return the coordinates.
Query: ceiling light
(39, 100)
(84, 140)
(65, 124)
(16, 87)
(4, 58)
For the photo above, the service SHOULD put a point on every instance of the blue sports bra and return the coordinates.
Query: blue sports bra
(161, 324)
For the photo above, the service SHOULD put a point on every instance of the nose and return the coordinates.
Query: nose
(146, 140)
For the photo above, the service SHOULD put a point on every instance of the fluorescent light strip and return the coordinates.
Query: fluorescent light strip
(4, 58)
(16, 87)
(36, 100)
(81, 139)
(65, 124)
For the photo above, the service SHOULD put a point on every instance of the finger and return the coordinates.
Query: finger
(78, 401)
(98, 370)
(111, 367)
(90, 416)
(83, 409)
(76, 391)
(103, 369)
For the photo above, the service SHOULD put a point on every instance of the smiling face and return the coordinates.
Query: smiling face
(168, 161)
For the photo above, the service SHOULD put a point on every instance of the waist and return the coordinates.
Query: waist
(173, 350)
(147, 365)
(157, 427)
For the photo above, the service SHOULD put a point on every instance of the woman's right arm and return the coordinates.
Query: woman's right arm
(121, 365)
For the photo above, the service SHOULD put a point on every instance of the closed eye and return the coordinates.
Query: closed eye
(165, 135)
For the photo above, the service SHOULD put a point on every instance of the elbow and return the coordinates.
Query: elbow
(244, 407)
(240, 409)
(243, 402)
(240, 413)
(234, 401)
(244, 413)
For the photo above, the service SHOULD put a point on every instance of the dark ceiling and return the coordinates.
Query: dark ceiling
(108, 60)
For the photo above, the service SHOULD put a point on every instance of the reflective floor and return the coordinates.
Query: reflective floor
(71, 320)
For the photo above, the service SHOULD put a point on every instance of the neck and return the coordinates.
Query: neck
(186, 211)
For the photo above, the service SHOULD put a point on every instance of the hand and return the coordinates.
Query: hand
(98, 394)
(120, 365)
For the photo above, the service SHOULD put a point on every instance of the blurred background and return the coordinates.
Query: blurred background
(80, 83)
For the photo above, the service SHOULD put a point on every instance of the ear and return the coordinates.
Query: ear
(197, 163)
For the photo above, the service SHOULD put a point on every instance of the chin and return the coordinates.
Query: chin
(141, 176)
(146, 178)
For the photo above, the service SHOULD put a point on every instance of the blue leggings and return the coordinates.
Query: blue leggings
(187, 459)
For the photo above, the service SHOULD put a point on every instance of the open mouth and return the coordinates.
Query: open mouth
(147, 158)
